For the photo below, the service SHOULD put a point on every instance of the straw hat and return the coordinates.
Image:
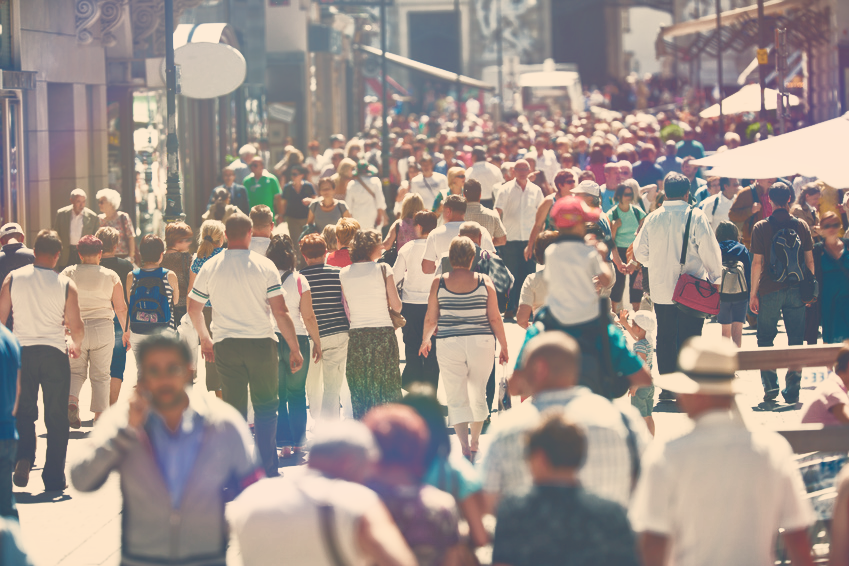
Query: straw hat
(707, 367)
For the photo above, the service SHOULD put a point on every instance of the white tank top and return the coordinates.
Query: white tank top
(38, 303)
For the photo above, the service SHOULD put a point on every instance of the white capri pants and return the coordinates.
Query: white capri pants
(94, 362)
(465, 363)
(326, 380)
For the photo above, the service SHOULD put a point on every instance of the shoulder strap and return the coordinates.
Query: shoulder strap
(715, 204)
(686, 238)
(327, 516)
(285, 277)
(366, 187)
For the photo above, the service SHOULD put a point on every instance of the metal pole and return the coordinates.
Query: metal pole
(719, 69)
(459, 65)
(763, 38)
(500, 46)
(780, 68)
(173, 198)
(384, 144)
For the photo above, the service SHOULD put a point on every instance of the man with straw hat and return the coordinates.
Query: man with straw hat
(720, 494)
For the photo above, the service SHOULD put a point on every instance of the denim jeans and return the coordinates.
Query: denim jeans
(119, 353)
(292, 393)
(47, 368)
(787, 303)
(8, 448)
(514, 260)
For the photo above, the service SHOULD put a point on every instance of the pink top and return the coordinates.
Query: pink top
(828, 394)
(339, 258)
(406, 232)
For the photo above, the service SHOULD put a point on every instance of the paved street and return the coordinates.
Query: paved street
(74, 529)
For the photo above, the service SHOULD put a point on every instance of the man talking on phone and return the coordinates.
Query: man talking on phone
(180, 456)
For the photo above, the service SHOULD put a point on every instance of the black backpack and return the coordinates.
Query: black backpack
(785, 259)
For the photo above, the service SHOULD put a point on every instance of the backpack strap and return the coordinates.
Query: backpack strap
(715, 205)
(327, 516)
(633, 451)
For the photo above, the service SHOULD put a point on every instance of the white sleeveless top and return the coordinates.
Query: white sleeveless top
(365, 294)
(38, 303)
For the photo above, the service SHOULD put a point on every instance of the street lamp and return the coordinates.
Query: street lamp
(173, 197)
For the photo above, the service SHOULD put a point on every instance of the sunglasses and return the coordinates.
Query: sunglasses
(459, 176)
(569, 182)
(254, 165)
(830, 226)
(627, 194)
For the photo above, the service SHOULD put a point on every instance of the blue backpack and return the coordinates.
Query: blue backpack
(150, 301)
(785, 258)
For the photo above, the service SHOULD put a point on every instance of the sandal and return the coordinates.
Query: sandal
(286, 452)
(74, 415)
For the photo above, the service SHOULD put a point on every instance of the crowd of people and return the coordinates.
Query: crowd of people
(292, 291)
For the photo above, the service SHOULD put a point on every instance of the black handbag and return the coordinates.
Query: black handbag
(390, 256)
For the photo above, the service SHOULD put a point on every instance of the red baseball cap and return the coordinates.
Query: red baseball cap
(569, 211)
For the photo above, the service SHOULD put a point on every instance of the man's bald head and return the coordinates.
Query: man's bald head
(551, 361)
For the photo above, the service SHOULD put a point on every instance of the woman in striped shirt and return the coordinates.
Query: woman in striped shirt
(465, 306)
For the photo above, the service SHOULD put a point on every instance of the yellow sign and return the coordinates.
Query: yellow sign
(763, 56)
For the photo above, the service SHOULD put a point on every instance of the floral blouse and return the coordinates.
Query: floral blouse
(198, 262)
(126, 232)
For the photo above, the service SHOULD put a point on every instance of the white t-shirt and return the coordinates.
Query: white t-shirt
(364, 206)
(239, 284)
(365, 293)
(293, 287)
(439, 240)
(259, 244)
(95, 285)
(722, 209)
(569, 271)
(280, 516)
(428, 188)
(408, 267)
(487, 174)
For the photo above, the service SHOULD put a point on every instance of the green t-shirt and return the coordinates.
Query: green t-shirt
(627, 231)
(262, 191)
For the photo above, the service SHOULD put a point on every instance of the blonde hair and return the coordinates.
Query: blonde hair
(452, 173)
(461, 253)
(411, 204)
(346, 228)
(210, 230)
(109, 236)
(329, 235)
(347, 167)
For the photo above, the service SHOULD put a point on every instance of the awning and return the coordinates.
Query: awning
(427, 69)
(814, 151)
(708, 23)
(747, 99)
(549, 79)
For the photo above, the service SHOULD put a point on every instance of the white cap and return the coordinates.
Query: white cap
(587, 188)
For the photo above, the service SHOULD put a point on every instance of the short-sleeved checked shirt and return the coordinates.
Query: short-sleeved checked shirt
(487, 218)
(607, 471)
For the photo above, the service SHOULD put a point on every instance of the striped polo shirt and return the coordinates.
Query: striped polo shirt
(326, 298)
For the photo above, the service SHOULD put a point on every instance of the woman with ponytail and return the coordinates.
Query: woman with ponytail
(210, 244)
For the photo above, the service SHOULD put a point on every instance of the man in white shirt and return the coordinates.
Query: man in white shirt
(428, 184)
(438, 242)
(72, 223)
(262, 222)
(487, 174)
(517, 203)
(658, 246)
(615, 437)
(545, 157)
(365, 199)
(321, 511)
(45, 303)
(716, 207)
(719, 494)
(246, 293)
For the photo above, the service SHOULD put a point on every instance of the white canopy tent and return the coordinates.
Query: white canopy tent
(747, 99)
(816, 151)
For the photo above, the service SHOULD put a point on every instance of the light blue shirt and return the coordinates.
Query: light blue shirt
(176, 452)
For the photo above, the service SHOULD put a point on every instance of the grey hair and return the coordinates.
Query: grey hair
(112, 196)
(247, 149)
(471, 228)
(596, 202)
(352, 438)
(78, 193)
